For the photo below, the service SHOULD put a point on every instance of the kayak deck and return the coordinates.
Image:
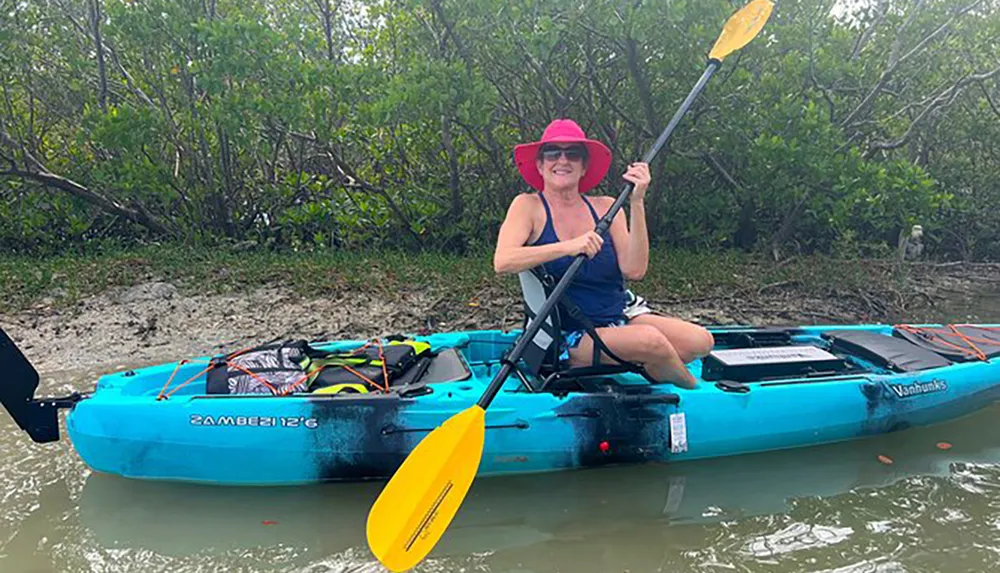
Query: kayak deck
(481, 353)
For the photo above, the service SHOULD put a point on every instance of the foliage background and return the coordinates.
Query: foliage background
(339, 124)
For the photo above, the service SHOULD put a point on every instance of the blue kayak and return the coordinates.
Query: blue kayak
(761, 389)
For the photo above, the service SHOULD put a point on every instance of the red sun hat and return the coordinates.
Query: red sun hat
(563, 131)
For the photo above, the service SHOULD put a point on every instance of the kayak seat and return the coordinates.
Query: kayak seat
(887, 352)
(542, 355)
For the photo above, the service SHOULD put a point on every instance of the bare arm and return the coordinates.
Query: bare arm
(636, 262)
(513, 256)
(632, 240)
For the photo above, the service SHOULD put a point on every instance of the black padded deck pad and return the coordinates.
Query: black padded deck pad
(886, 351)
(448, 366)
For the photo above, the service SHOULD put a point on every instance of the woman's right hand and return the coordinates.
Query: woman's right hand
(588, 244)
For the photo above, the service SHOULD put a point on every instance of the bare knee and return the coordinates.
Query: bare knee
(655, 346)
(693, 342)
(705, 342)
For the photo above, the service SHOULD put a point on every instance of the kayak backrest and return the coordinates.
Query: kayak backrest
(542, 355)
(546, 342)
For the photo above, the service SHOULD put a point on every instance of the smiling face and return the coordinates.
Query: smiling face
(562, 165)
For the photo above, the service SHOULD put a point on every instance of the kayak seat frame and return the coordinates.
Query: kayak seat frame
(542, 356)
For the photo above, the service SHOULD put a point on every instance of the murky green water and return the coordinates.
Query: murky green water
(831, 509)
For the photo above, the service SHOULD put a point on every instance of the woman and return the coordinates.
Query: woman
(555, 225)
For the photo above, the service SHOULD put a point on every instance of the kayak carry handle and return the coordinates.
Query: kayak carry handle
(18, 382)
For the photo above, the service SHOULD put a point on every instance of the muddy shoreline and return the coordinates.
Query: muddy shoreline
(156, 322)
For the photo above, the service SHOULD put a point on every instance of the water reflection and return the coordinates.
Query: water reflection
(513, 518)
(834, 508)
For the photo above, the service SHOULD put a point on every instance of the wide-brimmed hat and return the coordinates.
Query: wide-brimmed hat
(563, 131)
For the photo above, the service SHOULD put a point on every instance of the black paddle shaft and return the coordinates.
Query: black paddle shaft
(602, 227)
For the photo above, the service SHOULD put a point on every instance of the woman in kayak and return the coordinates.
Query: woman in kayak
(556, 224)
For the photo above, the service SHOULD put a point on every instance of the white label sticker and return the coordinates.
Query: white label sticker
(678, 434)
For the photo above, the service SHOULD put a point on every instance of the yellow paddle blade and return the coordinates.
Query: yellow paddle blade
(741, 27)
(417, 505)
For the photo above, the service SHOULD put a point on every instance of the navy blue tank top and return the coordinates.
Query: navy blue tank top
(598, 287)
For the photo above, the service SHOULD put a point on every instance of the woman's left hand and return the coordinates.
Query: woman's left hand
(638, 174)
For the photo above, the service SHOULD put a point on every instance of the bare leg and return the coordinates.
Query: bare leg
(641, 343)
(688, 339)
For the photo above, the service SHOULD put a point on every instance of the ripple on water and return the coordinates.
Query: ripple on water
(920, 523)
(869, 566)
(796, 537)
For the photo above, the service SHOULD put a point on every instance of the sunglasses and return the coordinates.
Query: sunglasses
(575, 153)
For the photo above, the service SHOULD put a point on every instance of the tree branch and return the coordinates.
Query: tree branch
(129, 80)
(592, 76)
(866, 34)
(102, 76)
(454, 182)
(536, 67)
(326, 17)
(350, 178)
(989, 100)
(36, 171)
(943, 100)
(450, 33)
(812, 72)
(716, 166)
(897, 42)
(641, 85)
(895, 62)
(788, 225)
